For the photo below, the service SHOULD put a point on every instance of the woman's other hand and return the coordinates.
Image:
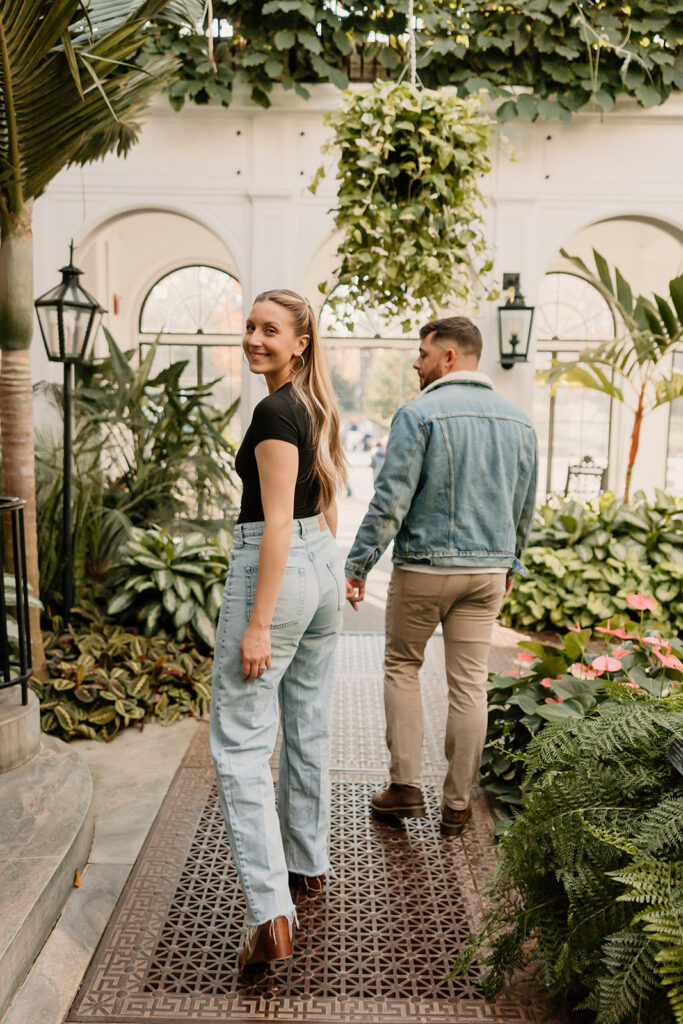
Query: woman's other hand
(255, 652)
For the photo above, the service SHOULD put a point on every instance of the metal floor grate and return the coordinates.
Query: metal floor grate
(400, 902)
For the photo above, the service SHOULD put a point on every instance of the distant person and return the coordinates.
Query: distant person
(457, 492)
(278, 628)
(377, 456)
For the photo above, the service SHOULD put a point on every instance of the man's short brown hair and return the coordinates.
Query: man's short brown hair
(458, 329)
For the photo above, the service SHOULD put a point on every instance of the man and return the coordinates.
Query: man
(457, 493)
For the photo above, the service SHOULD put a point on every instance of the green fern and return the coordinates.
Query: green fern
(592, 867)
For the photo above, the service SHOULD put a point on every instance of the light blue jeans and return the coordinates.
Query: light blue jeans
(268, 842)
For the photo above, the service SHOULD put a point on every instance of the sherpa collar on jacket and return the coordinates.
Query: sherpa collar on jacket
(460, 377)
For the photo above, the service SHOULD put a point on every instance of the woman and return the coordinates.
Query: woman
(278, 627)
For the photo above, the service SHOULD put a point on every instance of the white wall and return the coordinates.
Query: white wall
(238, 179)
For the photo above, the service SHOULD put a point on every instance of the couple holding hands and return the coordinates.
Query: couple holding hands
(456, 494)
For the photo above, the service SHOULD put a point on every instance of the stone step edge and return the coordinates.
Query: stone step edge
(22, 950)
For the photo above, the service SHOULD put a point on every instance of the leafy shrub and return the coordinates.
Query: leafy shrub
(592, 866)
(103, 678)
(10, 589)
(568, 682)
(148, 450)
(171, 584)
(584, 559)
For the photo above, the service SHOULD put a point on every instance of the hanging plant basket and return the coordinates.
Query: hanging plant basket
(409, 205)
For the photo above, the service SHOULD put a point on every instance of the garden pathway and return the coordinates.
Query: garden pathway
(400, 902)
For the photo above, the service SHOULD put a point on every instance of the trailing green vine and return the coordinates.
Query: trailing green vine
(409, 164)
(565, 55)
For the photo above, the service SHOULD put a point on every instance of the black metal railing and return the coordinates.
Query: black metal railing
(15, 630)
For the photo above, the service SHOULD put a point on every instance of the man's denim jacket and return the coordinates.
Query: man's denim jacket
(458, 484)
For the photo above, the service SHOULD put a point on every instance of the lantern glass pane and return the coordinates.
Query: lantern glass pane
(49, 325)
(75, 326)
(515, 324)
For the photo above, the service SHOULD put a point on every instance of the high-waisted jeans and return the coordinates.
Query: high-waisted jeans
(268, 841)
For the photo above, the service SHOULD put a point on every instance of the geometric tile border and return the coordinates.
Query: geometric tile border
(400, 901)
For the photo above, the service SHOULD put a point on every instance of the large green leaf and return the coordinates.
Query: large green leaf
(72, 103)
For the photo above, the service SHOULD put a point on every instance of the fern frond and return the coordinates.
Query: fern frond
(662, 828)
(631, 975)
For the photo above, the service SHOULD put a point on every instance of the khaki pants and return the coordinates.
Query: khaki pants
(466, 605)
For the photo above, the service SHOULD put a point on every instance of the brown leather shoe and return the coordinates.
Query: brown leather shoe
(271, 941)
(399, 802)
(453, 822)
(306, 886)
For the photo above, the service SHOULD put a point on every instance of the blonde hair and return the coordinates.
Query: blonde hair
(312, 385)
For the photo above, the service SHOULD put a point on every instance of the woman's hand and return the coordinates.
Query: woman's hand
(255, 652)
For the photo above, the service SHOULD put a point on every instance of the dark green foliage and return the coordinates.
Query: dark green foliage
(147, 451)
(171, 585)
(584, 559)
(578, 870)
(564, 54)
(104, 677)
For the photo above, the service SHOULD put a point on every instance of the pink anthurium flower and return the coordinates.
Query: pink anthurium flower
(580, 671)
(653, 641)
(547, 683)
(526, 656)
(641, 602)
(620, 633)
(554, 700)
(575, 629)
(621, 652)
(668, 659)
(605, 663)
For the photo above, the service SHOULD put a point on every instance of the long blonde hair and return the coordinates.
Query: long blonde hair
(312, 385)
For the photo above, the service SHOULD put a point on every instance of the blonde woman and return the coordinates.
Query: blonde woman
(278, 627)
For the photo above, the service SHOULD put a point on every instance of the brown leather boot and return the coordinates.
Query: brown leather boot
(399, 802)
(271, 941)
(306, 886)
(453, 822)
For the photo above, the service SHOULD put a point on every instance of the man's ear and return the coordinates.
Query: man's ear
(451, 358)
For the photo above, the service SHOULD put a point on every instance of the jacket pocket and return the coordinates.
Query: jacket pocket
(290, 601)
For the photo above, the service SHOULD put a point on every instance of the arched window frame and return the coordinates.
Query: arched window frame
(182, 334)
(572, 346)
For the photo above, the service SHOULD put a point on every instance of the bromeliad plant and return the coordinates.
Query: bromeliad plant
(635, 367)
(553, 683)
(584, 559)
(592, 865)
(104, 677)
(171, 585)
(408, 206)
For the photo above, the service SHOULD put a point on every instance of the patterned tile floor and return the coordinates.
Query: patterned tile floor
(400, 901)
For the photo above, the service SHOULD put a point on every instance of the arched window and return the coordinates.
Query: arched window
(197, 311)
(193, 300)
(674, 460)
(575, 422)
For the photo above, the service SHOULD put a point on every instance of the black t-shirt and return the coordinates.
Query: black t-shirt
(279, 417)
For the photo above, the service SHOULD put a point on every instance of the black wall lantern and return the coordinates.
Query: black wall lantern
(69, 317)
(514, 325)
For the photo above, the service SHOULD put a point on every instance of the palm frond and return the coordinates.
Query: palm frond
(68, 90)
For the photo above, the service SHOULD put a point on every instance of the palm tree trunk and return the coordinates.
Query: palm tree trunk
(16, 393)
(635, 442)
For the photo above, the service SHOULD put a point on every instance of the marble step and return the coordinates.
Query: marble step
(46, 831)
(19, 728)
